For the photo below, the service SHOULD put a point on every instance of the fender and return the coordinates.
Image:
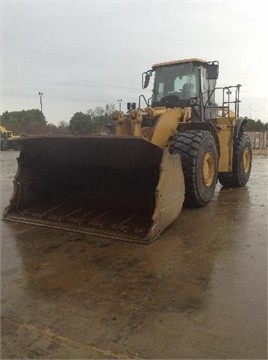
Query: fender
(239, 126)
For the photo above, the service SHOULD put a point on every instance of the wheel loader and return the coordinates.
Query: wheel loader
(132, 184)
(8, 140)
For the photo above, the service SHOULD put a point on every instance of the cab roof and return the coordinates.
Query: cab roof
(196, 60)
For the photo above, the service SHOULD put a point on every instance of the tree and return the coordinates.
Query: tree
(51, 129)
(93, 121)
(256, 125)
(80, 123)
(63, 128)
(101, 116)
(24, 122)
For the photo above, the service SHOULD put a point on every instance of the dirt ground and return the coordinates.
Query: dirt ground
(198, 292)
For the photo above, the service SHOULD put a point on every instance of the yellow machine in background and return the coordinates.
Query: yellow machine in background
(131, 185)
(7, 139)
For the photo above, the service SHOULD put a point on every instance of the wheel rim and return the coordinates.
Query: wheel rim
(208, 169)
(246, 160)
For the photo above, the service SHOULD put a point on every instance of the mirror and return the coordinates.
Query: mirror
(146, 79)
(213, 71)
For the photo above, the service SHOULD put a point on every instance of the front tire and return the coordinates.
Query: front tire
(199, 157)
(242, 161)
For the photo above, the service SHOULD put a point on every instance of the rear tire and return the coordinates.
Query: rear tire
(199, 157)
(242, 160)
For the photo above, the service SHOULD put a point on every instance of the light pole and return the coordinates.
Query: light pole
(41, 94)
(119, 101)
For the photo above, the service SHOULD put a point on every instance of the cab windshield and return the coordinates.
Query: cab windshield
(178, 80)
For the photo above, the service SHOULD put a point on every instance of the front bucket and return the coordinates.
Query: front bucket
(117, 187)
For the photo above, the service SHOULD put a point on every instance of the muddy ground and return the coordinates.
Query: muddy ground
(198, 292)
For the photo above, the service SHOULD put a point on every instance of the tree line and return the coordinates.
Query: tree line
(24, 122)
(33, 122)
(256, 125)
(97, 120)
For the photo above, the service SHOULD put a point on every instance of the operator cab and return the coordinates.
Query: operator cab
(185, 83)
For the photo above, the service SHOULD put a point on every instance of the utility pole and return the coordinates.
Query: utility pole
(41, 94)
(119, 101)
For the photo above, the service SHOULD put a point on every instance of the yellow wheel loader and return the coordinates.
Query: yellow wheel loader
(8, 140)
(131, 185)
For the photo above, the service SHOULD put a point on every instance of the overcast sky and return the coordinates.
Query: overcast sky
(83, 54)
